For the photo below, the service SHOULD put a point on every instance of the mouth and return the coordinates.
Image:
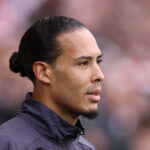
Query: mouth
(94, 95)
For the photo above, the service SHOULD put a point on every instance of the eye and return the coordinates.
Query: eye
(99, 61)
(84, 63)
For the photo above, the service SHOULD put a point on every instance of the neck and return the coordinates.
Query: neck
(42, 96)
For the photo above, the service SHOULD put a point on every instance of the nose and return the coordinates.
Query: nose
(97, 75)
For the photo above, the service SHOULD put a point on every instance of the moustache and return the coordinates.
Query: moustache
(97, 86)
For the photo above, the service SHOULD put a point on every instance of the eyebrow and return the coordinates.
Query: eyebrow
(88, 57)
(100, 56)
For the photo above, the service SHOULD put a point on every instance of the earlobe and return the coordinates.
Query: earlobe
(42, 72)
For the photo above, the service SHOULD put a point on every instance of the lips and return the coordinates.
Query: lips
(95, 91)
(94, 95)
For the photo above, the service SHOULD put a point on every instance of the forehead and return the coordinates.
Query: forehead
(77, 43)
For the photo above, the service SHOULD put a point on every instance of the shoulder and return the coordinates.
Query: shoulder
(85, 142)
(18, 129)
(6, 143)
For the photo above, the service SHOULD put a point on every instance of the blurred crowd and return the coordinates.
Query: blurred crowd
(121, 28)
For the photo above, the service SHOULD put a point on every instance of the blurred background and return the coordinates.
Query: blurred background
(122, 30)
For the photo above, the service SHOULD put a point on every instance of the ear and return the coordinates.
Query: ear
(42, 71)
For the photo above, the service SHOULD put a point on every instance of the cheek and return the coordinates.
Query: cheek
(71, 82)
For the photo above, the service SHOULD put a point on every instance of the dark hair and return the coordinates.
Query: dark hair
(40, 148)
(39, 44)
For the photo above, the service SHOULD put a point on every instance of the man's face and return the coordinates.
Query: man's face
(75, 86)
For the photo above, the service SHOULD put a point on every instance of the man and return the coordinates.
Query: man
(61, 57)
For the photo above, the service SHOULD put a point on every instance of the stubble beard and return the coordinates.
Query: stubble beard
(90, 115)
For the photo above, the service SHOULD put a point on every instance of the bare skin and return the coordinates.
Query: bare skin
(73, 87)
